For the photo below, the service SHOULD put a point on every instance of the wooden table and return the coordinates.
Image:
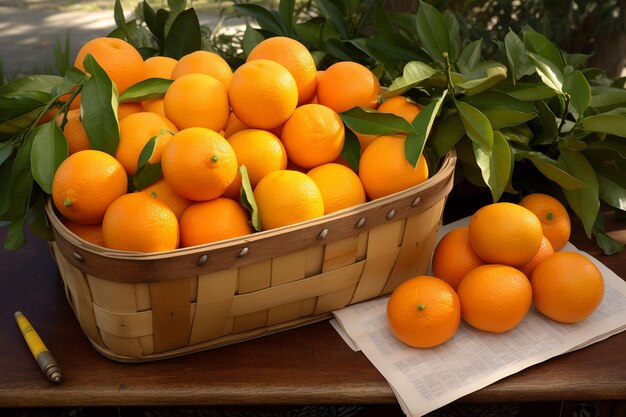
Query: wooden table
(309, 365)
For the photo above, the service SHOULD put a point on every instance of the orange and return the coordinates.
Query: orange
(74, 132)
(400, 106)
(295, 57)
(340, 186)
(384, 170)
(128, 108)
(212, 221)
(348, 84)
(365, 139)
(197, 100)
(505, 233)
(454, 257)
(494, 298)
(567, 287)
(162, 191)
(140, 223)
(233, 126)
(204, 62)
(118, 58)
(159, 67)
(199, 164)
(135, 131)
(86, 183)
(260, 151)
(154, 106)
(286, 197)
(423, 312)
(313, 135)
(544, 251)
(92, 233)
(263, 94)
(555, 221)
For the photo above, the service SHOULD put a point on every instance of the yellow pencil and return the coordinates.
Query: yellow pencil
(40, 352)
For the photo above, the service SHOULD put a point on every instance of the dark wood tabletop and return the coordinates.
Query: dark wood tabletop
(308, 365)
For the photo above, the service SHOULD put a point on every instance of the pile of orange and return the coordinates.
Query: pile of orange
(276, 114)
(506, 259)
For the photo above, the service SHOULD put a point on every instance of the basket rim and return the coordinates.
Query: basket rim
(119, 265)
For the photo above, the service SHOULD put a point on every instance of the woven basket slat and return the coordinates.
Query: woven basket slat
(287, 268)
(382, 251)
(124, 324)
(254, 277)
(294, 291)
(212, 313)
(170, 313)
(126, 346)
(419, 233)
(80, 301)
(314, 260)
(250, 321)
(341, 253)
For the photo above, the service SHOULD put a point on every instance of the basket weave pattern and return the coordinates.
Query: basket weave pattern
(137, 307)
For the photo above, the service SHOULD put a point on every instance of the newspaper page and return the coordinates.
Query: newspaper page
(426, 379)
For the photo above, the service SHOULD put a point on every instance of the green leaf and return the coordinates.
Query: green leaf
(446, 134)
(607, 98)
(16, 107)
(394, 47)
(184, 36)
(264, 18)
(550, 169)
(49, 150)
(453, 29)
(370, 122)
(98, 107)
(310, 32)
(477, 125)
(577, 87)
(146, 90)
(120, 19)
(520, 134)
(495, 164)
(38, 83)
(516, 57)
(37, 219)
(549, 73)
(15, 235)
(484, 76)
(612, 122)
(611, 143)
(21, 183)
(527, 91)
(413, 74)
(19, 124)
(176, 7)
(334, 15)
(423, 124)
(251, 38)
(247, 199)
(351, 150)
(5, 185)
(149, 16)
(538, 44)
(611, 192)
(286, 11)
(433, 32)
(547, 120)
(6, 150)
(470, 56)
(147, 173)
(608, 245)
(584, 201)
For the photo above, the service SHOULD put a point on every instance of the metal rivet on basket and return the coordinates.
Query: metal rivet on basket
(391, 214)
(322, 234)
(242, 252)
(78, 256)
(416, 201)
(203, 259)
(360, 223)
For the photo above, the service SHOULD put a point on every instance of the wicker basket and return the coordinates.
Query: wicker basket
(137, 307)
